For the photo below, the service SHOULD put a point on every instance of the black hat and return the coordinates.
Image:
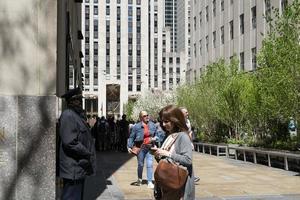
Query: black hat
(72, 94)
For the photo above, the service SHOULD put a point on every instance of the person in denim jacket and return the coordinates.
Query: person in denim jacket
(144, 134)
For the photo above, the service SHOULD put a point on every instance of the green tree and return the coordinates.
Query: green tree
(278, 75)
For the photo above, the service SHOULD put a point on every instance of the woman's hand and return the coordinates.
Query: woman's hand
(160, 152)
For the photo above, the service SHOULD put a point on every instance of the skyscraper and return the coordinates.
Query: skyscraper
(126, 51)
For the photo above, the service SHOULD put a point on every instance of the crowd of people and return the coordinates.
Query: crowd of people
(109, 134)
(80, 136)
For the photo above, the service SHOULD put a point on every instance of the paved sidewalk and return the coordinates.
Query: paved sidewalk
(221, 179)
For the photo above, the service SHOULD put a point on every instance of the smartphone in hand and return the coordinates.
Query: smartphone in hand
(153, 149)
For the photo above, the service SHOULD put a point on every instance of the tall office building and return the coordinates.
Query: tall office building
(183, 33)
(224, 28)
(126, 51)
(171, 21)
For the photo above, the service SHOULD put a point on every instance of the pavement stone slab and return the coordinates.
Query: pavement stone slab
(220, 179)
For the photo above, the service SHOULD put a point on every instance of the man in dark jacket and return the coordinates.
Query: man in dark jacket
(77, 149)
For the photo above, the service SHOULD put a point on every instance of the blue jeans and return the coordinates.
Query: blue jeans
(145, 153)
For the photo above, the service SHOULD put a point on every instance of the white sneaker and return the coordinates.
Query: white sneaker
(150, 185)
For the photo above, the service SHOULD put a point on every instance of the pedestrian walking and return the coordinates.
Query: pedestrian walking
(113, 133)
(123, 132)
(180, 151)
(143, 134)
(103, 128)
(77, 158)
(95, 134)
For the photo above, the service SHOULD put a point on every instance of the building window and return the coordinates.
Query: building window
(138, 14)
(129, 11)
(96, 28)
(118, 13)
(95, 48)
(267, 9)
(253, 13)
(231, 29)
(107, 26)
(130, 87)
(171, 60)
(222, 5)
(155, 81)
(118, 1)
(107, 10)
(138, 2)
(207, 43)
(214, 8)
(200, 18)
(200, 47)
(253, 51)
(206, 9)
(95, 10)
(87, 79)
(138, 88)
(222, 34)
(87, 12)
(177, 60)
(195, 23)
(129, 26)
(95, 1)
(95, 78)
(129, 1)
(242, 61)
(242, 24)
(195, 51)
(214, 39)
(283, 5)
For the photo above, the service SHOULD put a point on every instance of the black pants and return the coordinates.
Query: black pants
(73, 189)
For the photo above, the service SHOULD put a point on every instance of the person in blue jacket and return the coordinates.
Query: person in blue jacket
(143, 134)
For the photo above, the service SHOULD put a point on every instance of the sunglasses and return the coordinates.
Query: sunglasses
(145, 115)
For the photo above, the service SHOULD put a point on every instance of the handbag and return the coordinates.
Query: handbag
(135, 150)
(169, 174)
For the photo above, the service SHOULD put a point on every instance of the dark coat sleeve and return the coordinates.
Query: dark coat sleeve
(69, 133)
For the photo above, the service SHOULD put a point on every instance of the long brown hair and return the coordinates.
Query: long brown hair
(175, 116)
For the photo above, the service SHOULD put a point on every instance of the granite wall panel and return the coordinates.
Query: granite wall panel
(29, 123)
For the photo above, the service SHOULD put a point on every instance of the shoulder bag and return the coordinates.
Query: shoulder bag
(135, 150)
